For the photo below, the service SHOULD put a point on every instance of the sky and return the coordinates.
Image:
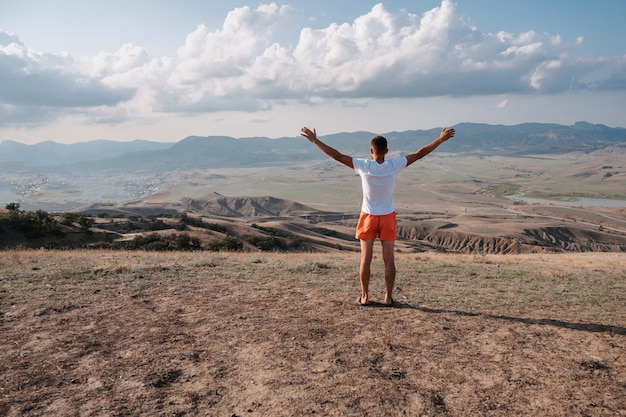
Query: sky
(76, 70)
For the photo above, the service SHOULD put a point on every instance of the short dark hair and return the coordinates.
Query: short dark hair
(379, 144)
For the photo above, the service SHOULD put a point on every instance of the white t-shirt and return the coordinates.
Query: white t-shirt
(378, 182)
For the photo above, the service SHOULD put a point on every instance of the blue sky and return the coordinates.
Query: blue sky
(75, 70)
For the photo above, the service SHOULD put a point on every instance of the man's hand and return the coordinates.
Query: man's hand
(311, 135)
(446, 134)
(425, 150)
(307, 133)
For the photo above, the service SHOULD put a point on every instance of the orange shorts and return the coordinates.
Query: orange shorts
(371, 227)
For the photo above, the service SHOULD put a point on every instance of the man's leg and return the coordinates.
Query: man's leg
(390, 269)
(367, 249)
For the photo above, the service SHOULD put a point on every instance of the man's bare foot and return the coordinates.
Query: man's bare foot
(364, 301)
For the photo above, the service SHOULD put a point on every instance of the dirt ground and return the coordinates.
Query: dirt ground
(97, 333)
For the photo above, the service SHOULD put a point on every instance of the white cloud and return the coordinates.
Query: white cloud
(248, 65)
(228, 52)
(44, 84)
(127, 58)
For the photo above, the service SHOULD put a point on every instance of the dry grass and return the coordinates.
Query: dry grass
(134, 333)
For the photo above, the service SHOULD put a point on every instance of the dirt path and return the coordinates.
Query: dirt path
(129, 334)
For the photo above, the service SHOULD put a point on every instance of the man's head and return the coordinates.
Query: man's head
(378, 147)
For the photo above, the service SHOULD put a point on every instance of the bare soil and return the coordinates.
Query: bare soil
(99, 333)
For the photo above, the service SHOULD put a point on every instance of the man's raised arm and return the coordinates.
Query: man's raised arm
(425, 150)
(311, 135)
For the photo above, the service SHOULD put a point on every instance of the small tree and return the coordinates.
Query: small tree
(68, 218)
(85, 222)
(12, 206)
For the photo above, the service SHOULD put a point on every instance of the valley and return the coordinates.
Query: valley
(446, 202)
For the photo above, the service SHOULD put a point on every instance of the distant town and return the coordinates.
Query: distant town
(20, 187)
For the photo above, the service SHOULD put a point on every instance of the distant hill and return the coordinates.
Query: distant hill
(219, 205)
(197, 152)
(53, 154)
(276, 224)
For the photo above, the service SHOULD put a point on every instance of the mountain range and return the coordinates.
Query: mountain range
(199, 152)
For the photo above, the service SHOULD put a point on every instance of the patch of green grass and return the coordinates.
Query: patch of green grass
(502, 189)
(28, 286)
(3, 302)
(485, 287)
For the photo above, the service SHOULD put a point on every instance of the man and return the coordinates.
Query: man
(378, 217)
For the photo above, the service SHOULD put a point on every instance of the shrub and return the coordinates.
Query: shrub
(263, 243)
(85, 222)
(157, 246)
(68, 218)
(32, 223)
(228, 244)
(196, 222)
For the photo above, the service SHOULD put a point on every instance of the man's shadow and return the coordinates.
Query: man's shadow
(586, 327)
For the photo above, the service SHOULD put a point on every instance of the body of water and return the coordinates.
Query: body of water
(581, 202)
